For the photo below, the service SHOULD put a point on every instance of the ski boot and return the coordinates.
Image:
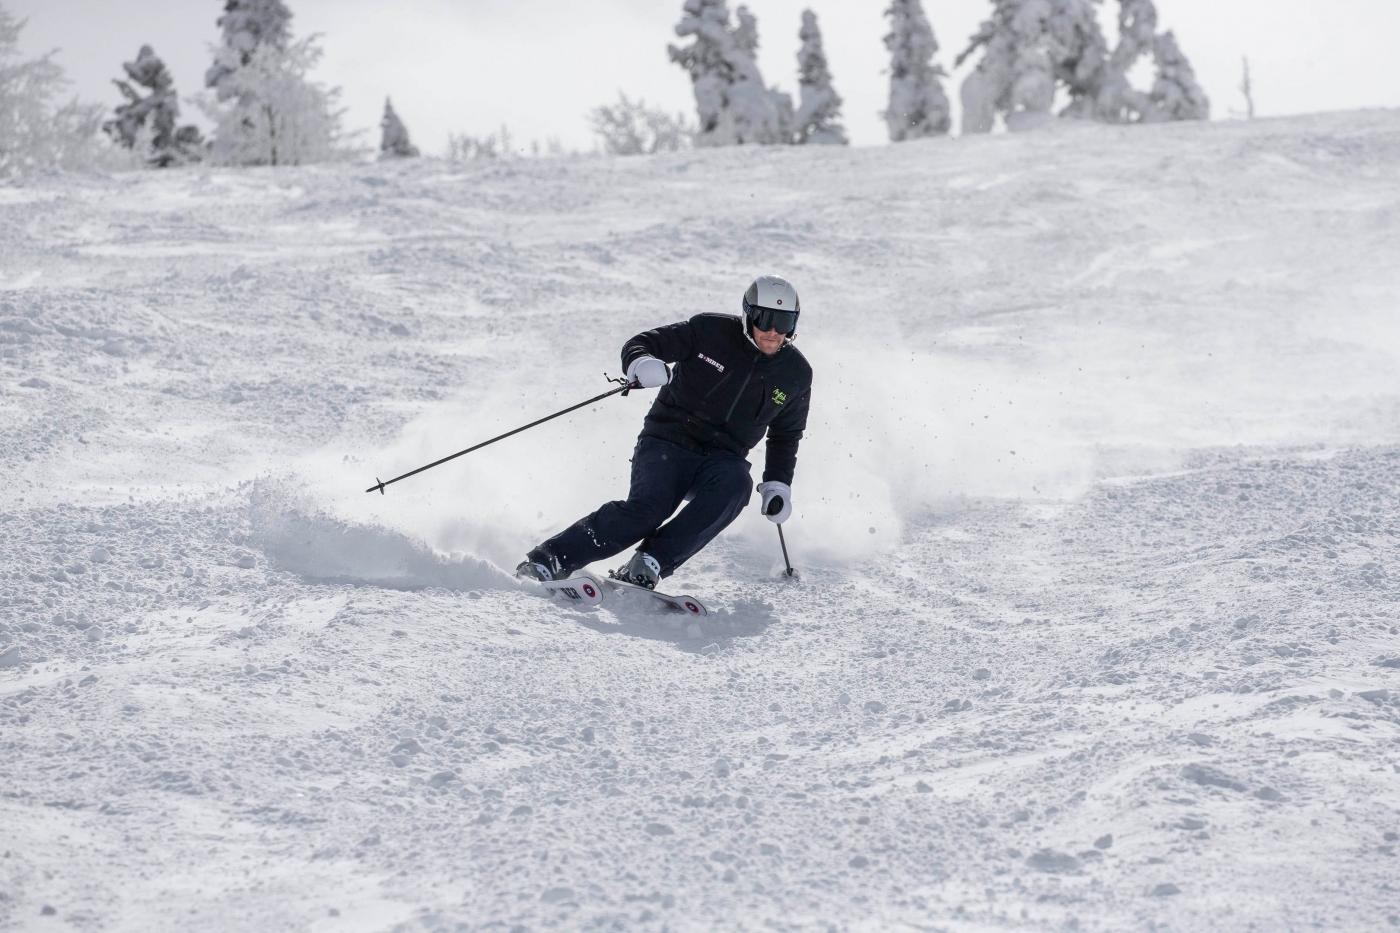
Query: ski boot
(641, 570)
(539, 565)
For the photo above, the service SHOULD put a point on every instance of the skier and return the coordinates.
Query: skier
(734, 380)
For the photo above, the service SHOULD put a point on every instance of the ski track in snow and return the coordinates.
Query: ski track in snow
(1099, 516)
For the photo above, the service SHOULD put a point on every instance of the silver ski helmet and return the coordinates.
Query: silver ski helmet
(771, 304)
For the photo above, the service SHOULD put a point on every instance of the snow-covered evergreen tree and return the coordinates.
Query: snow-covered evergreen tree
(818, 117)
(984, 85)
(1137, 26)
(708, 22)
(630, 127)
(393, 138)
(247, 25)
(764, 108)
(1079, 51)
(1116, 100)
(158, 109)
(1176, 95)
(918, 106)
(710, 71)
(746, 32)
(1015, 76)
(732, 102)
(276, 114)
(1030, 50)
(463, 147)
(36, 131)
(148, 124)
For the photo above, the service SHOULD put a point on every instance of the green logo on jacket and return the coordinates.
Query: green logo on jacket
(779, 397)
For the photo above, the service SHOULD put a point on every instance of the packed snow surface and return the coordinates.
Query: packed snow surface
(1098, 517)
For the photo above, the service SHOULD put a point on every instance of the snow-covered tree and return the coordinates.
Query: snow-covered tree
(750, 101)
(1116, 100)
(393, 138)
(36, 130)
(1176, 95)
(630, 127)
(732, 102)
(781, 102)
(818, 117)
(1079, 51)
(276, 115)
(1015, 76)
(708, 60)
(1030, 50)
(1137, 25)
(918, 107)
(746, 32)
(983, 86)
(147, 124)
(464, 147)
(247, 25)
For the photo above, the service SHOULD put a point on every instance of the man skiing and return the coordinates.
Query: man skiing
(734, 380)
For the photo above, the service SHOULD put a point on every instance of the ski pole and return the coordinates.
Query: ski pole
(623, 389)
(786, 562)
(774, 508)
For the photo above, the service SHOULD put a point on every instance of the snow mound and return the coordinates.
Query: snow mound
(299, 537)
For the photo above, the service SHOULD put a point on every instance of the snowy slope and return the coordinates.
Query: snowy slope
(1099, 514)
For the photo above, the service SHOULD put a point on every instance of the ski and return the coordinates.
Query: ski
(589, 589)
(687, 604)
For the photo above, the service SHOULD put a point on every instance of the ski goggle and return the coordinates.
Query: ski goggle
(771, 319)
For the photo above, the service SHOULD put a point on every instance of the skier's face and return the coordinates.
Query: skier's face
(769, 341)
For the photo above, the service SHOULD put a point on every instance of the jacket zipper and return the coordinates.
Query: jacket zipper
(715, 388)
(742, 386)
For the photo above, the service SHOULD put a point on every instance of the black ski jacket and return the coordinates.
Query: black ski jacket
(724, 393)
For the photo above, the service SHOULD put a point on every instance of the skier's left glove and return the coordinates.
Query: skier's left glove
(777, 501)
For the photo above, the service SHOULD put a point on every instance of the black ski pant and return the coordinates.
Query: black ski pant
(664, 475)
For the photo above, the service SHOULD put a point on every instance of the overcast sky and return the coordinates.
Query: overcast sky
(541, 65)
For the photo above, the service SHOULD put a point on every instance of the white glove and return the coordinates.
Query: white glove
(648, 372)
(777, 501)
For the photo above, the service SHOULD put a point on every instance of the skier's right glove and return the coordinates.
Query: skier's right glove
(648, 372)
(777, 501)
